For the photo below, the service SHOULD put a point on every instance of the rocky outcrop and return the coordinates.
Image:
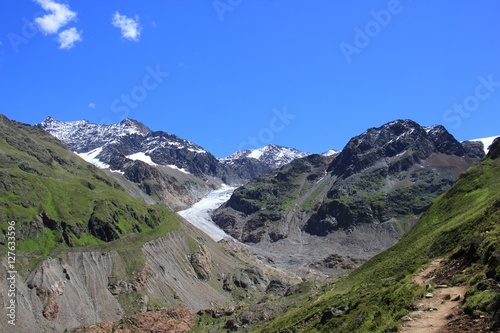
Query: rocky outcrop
(162, 320)
(202, 263)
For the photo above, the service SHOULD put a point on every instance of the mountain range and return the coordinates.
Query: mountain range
(357, 201)
(87, 252)
(333, 212)
(166, 168)
(99, 248)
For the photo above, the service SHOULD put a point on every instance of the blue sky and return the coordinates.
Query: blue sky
(234, 74)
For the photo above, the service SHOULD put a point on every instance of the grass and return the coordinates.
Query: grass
(380, 292)
(59, 201)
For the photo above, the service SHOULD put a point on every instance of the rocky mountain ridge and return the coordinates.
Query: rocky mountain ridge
(272, 155)
(355, 203)
(167, 168)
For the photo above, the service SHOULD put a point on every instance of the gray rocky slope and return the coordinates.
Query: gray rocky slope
(90, 286)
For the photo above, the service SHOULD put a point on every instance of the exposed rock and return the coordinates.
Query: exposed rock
(164, 320)
(176, 321)
(52, 308)
(242, 280)
(333, 312)
(474, 148)
(218, 312)
(232, 325)
(278, 287)
(103, 327)
(202, 263)
(455, 298)
(338, 262)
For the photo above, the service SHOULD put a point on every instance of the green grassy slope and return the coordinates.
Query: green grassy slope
(58, 200)
(462, 225)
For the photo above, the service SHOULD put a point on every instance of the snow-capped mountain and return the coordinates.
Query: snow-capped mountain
(109, 146)
(272, 155)
(82, 136)
(330, 152)
(162, 164)
(486, 142)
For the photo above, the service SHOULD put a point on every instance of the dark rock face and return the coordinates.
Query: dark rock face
(395, 138)
(473, 148)
(382, 178)
(321, 226)
(494, 149)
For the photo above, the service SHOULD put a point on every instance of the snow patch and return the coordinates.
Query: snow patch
(91, 157)
(172, 166)
(199, 214)
(257, 153)
(197, 151)
(330, 152)
(141, 157)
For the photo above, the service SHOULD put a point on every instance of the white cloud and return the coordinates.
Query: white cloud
(130, 28)
(60, 15)
(91, 105)
(68, 38)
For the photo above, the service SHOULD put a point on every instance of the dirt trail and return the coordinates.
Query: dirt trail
(433, 313)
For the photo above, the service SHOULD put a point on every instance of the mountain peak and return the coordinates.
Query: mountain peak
(274, 156)
(75, 134)
(403, 141)
(408, 123)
